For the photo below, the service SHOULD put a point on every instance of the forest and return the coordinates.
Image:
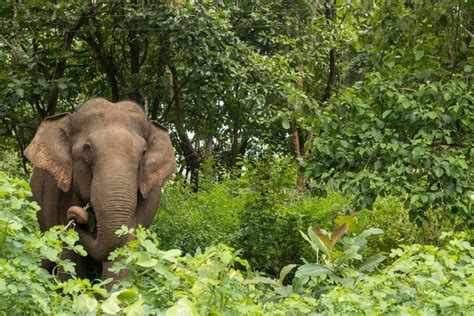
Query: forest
(324, 154)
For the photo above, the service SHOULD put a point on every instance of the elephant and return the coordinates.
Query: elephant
(107, 155)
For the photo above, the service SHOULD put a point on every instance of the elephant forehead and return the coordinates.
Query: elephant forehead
(101, 114)
(117, 135)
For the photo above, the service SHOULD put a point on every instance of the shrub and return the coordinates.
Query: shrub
(428, 279)
(391, 215)
(188, 220)
(423, 280)
(11, 163)
(261, 213)
(377, 139)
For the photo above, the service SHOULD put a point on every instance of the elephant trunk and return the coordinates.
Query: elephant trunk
(114, 201)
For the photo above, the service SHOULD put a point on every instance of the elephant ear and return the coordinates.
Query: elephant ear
(50, 149)
(159, 162)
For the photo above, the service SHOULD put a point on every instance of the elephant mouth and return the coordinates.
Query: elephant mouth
(91, 222)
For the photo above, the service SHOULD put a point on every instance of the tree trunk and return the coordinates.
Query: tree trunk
(191, 156)
(160, 72)
(235, 144)
(301, 143)
(106, 63)
(134, 44)
(332, 75)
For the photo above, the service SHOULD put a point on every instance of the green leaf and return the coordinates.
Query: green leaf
(386, 113)
(84, 302)
(62, 85)
(369, 232)
(315, 242)
(350, 220)
(262, 280)
(419, 54)
(127, 295)
(144, 260)
(172, 254)
(184, 307)
(110, 307)
(438, 171)
(377, 165)
(371, 263)
(15, 203)
(226, 257)
(284, 291)
(313, 269)
(149, 246)
(284, 272)
(285, 122)
(447, 96)
(50, 253)
(405, 104)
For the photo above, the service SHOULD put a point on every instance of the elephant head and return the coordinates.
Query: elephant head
(109, 155)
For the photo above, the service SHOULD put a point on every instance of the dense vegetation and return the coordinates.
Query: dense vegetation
(352, 118)
(340, 267)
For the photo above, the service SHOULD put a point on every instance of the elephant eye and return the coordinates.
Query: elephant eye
(86, 147)
(144, 151)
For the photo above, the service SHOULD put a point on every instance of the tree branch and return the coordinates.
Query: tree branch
(60, 65)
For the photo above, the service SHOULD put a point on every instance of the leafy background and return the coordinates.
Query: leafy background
(284, 115)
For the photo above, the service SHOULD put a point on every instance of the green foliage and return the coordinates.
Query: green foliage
(414, 145)
(259, 212)
(11, 163)
(337, 265)
(334, 265)
(422, 280)
(169, 282)
(403, 126)
(427, 279)
(390, 215)
(188, 220)
(381, 89)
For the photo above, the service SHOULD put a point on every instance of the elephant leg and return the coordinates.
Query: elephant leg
(47, 265)
(48, 196)
(80, 265)
(106, 273)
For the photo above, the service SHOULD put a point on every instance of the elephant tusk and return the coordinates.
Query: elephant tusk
(72, 223)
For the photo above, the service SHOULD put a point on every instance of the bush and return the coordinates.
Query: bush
(423, 280)
(432, 279)
(259, 212)
(11, 162)
(377, 139)
(390, 215)
(188, 220)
